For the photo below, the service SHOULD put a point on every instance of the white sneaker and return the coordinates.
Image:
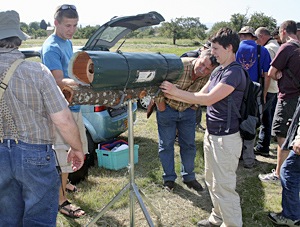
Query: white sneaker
(269, 177)
(278, 219)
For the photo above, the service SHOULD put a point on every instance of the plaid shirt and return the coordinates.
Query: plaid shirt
(32, 95)
(185, 83)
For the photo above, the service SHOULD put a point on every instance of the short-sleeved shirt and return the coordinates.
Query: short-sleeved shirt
(247, 57)
(32, 95)
(217, 114)
(186, 83)
(56, 55)
(288, 56)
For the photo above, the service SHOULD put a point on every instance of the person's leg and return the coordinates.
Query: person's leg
(264, 136)
(65, 207)
(248, 153)
(35, 169)
(10, 191)
(226, 201)
(186, 139)
(281, 155)
(166, 124)
(290, 180)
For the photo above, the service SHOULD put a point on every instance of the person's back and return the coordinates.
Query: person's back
(30, 105)
(247, 55)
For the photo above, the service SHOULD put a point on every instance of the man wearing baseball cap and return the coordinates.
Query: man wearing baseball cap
(30, 105)
(256, 60)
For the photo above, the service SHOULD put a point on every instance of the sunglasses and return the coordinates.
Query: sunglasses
(64, 7)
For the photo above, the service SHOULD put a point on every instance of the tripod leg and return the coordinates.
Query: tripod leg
(109, 204)
(157, 213)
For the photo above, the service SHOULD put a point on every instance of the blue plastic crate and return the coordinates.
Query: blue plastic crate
(116, 160)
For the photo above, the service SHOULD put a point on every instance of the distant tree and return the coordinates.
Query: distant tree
(171, 30)
(24, 27)
(34, 26)
(238, 21)
(183, 28)
(261, 20)
(217, 26)
(43, 25)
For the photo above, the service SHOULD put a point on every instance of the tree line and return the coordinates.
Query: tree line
(178, 28)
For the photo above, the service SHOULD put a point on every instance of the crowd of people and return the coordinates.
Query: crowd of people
(43, 139)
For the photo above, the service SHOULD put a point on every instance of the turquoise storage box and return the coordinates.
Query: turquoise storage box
(116, 160)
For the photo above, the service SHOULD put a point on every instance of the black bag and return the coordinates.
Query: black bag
(250, 113)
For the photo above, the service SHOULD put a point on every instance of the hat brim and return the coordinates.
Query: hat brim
(6, 33)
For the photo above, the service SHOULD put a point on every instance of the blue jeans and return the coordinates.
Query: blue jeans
(184, 122)
(290, 181)
(264, 136)
(29, 185)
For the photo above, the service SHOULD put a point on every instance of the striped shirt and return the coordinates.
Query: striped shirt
(32, 95)
(186, 83)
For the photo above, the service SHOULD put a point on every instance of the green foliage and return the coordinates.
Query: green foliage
(261, 20)
(217, 26)
(238, 21)
(43, 25)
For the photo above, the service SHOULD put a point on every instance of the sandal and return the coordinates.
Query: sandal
(70, 210)
(75, 189)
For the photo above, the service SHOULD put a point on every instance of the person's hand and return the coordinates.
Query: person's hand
(168, 88)
(296, 146)
(76, 157)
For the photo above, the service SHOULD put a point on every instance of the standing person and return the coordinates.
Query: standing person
(196, 53)
(31, 104)
(56, 53)
(222, 145)
(285, 68)
(290, 177)
(173, 116)
(262, 147)
(247, 55)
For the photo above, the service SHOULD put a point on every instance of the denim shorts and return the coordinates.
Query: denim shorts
(283, 116)
(29, 184)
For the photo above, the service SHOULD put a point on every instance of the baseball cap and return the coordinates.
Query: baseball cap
(248, 30)
(10, 25)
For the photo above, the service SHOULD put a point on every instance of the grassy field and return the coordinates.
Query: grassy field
(183, 207)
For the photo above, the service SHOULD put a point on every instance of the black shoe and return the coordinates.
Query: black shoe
(252, 165)
(206, 223)
(169, 185)
(262, 153)
(195, 185)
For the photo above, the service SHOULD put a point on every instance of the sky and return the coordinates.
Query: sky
(97, 12)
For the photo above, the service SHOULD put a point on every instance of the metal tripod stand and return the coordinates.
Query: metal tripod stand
(131, 186)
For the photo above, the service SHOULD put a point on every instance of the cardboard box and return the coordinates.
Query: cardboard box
(115, 160)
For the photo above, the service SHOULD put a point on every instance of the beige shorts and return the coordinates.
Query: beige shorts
(61, 147)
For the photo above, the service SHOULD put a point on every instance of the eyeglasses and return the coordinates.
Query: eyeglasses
(64, 7)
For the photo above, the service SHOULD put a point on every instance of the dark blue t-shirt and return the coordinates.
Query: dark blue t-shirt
(217, 114)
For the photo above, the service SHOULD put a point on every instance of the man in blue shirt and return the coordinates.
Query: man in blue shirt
(247, 55)
(56, 53)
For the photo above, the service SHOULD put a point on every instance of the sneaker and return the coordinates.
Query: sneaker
(269, 177)
(278, 219)
(169, 185)
(195, 185)
(206, 223)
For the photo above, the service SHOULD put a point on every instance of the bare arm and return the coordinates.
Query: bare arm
(273, 73)
(67, 127)
(202, 97)
(60, 80)
(266, 85)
